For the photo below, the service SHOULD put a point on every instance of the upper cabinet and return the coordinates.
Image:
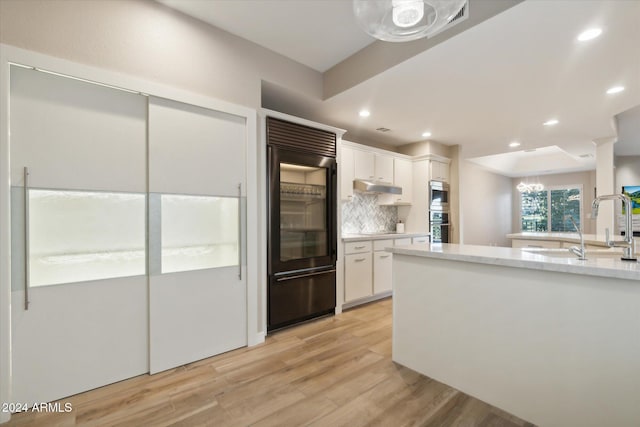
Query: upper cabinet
(364, 164)
(346, 171)
(361, 162)
(383, 167)
(372, 166)
(439, 171)
(403, 177)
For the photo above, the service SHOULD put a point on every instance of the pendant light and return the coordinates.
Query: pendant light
(405, 20)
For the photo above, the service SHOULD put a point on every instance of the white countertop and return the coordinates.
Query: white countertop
(519, 258)
(379, 236)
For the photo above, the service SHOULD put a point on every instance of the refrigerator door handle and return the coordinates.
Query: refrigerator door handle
(300, 276)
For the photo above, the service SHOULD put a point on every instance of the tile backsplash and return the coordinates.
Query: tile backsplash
(362, 214)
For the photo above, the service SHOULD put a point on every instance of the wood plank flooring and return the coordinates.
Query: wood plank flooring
(335, 371)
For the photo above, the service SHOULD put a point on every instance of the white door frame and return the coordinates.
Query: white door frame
(12, 55)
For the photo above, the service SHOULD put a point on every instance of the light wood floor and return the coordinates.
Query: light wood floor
(332, 372)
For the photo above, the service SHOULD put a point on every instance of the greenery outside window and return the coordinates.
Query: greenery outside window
(549, 210)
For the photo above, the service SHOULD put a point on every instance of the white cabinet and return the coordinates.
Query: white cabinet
(402, 242)
(382, 273)
(403, 177)
(358, 271)
(373, 166)
(383, 168)
(524, 243)
(439, 171)
(346, 169)
(368, 267)
(364, 164)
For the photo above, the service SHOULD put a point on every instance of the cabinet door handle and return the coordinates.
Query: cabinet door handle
(240, 231)
(359, 259)
(359, 247)
(385, 256)
(26, 238)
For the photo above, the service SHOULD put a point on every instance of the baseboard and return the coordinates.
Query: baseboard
(256, 339)
(365, 300)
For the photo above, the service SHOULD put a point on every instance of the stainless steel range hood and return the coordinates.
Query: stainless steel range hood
(375, 187)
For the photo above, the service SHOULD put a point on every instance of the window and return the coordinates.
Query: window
(198, 232)
(77, 236)
(549, 210)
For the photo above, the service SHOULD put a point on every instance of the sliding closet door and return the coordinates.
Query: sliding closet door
(197, 211)
(78, 211)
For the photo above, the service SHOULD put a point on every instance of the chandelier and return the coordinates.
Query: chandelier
(405, 20)
(529, 188)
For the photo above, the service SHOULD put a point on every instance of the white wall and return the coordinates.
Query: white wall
(586, 179)
(485, 206)
(151, 41)
(627, 171)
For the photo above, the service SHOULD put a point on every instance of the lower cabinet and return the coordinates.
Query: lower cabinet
(523, 243)
(368, 267)
(358, 275)
(382, 262)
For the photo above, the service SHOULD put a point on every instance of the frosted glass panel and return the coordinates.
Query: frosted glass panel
(198, 232)
(76, 236)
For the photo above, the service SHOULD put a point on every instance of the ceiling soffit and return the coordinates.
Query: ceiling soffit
(379, 56)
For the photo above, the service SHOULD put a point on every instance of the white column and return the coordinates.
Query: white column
(605, 183)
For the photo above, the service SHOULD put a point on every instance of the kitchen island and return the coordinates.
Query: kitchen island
(551, 339)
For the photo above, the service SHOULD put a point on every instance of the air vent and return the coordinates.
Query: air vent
(461, 14)
(459, 17)
(294, 136)
(383, 129)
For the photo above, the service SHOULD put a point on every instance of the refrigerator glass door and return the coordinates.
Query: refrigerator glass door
(303, 208)
(302, 211)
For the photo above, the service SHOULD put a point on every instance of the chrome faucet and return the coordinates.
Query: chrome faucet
(628, 243)
(580, 252)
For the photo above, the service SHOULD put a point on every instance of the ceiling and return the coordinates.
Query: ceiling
(481, 89)
(284, 26)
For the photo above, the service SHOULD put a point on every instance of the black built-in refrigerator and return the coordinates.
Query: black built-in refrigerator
(302, 233)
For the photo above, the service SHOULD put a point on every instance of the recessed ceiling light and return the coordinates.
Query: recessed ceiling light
(551, 122)
(589, 34)
(615, 89)
(514, 144)
(364, 113)
(426, 134)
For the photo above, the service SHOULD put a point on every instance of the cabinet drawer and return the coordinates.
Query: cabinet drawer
(379, 245)
(526, 243)
(357, 247)
(402, 242)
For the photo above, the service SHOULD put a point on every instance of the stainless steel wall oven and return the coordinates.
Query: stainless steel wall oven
(439, 211)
